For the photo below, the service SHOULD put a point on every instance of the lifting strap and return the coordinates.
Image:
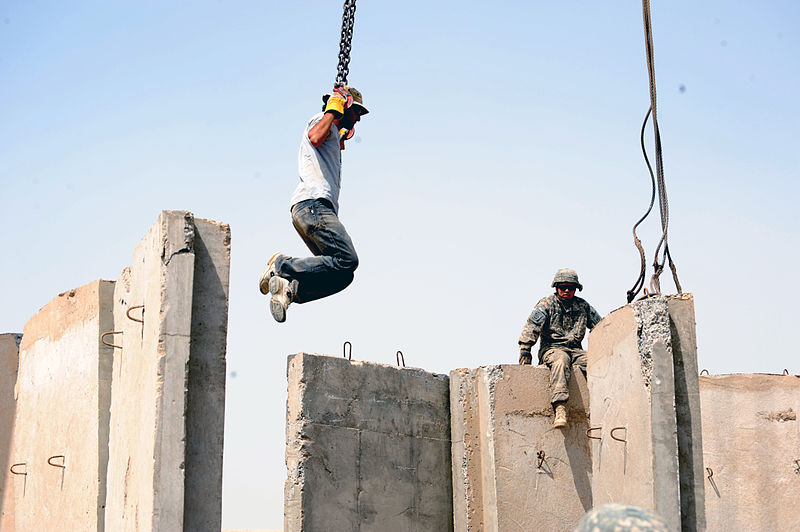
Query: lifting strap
(348, 19)
(657, 181)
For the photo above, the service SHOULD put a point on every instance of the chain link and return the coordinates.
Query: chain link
(348, 19)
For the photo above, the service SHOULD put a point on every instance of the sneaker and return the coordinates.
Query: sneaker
(561, 416)
(263, 283)
(283, 292)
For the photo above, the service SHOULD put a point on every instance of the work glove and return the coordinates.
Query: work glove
(525, 359)
(339, 100)
(345, 134)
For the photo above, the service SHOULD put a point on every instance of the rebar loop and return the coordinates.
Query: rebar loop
(618, 439)
(590, 429)
(399, 356)
(345, 353)
(61, 465)
(128, 313)
(103, 339)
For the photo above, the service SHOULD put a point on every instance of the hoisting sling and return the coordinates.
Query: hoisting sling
(657, 179)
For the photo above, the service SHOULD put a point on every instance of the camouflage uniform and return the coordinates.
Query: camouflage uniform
(560, 326)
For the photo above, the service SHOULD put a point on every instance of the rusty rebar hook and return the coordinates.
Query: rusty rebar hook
(17, 472)
(128, 313)
(541, 456)
(399, 356)
(710, 473)
(590, 429)
(702, 370)
(103, 339)
(618, 428)
(61, 465)
(345, 354)
(785, 372)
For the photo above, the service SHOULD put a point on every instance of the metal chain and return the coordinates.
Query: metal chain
(663, 202)
(348, 19)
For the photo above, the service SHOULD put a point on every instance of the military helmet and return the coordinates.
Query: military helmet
(565, 275)
(358, 99)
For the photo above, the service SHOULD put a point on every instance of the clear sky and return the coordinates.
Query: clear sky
(503, 143)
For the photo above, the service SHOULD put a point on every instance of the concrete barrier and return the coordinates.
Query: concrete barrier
(9, 361)
(205, 410)
(642, 372)
(511, 469)
(168, 399)
(751, 447)
(368, 447)
(61, 429)
(152, 313)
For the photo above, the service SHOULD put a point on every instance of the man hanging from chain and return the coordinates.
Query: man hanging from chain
(315, 207)
(559, 322)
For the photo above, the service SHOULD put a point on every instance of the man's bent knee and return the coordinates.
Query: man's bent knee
(557, 358)
(347, 262)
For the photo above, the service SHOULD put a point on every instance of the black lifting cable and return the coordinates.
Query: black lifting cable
(348, 19)
(658, 179)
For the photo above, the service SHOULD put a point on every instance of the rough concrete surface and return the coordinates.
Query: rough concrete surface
(61, 422)
(9, 361)
(751, 447)
(687, 410)
(511, 469)
(148, 404)
(368, 447)
(205, 411)
(642, 371)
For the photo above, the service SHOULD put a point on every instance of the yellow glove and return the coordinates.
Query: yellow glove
(335, 106)
(339, 100)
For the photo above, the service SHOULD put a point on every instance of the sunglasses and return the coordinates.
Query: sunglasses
(566, 286)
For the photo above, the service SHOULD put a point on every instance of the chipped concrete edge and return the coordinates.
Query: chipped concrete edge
(652, 320)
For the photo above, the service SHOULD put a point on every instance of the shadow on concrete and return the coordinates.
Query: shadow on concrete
(684, 360)
(578, 450)
(205, 400)
(9, 350)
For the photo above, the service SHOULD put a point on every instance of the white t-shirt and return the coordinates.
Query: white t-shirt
(319, 168)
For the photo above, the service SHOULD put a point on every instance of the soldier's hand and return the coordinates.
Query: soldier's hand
(525, 359)
(339, 100)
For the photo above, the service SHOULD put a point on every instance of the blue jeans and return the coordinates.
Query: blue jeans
(331, 268)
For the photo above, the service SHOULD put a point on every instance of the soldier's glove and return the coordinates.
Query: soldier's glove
(339, 100)
(525, 359)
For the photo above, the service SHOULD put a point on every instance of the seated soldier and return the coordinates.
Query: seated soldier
(559, 321)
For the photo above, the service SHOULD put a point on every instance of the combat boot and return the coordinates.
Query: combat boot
(561, 416)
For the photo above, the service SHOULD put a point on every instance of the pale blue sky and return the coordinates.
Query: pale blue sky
(503, 144)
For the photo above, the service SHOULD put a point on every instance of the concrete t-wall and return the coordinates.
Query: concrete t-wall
(512, 470)
(61, 427)
(9, 362)
(751, 447)
(368, 447)
(148, 404)
(205, 409)
(642, 373)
